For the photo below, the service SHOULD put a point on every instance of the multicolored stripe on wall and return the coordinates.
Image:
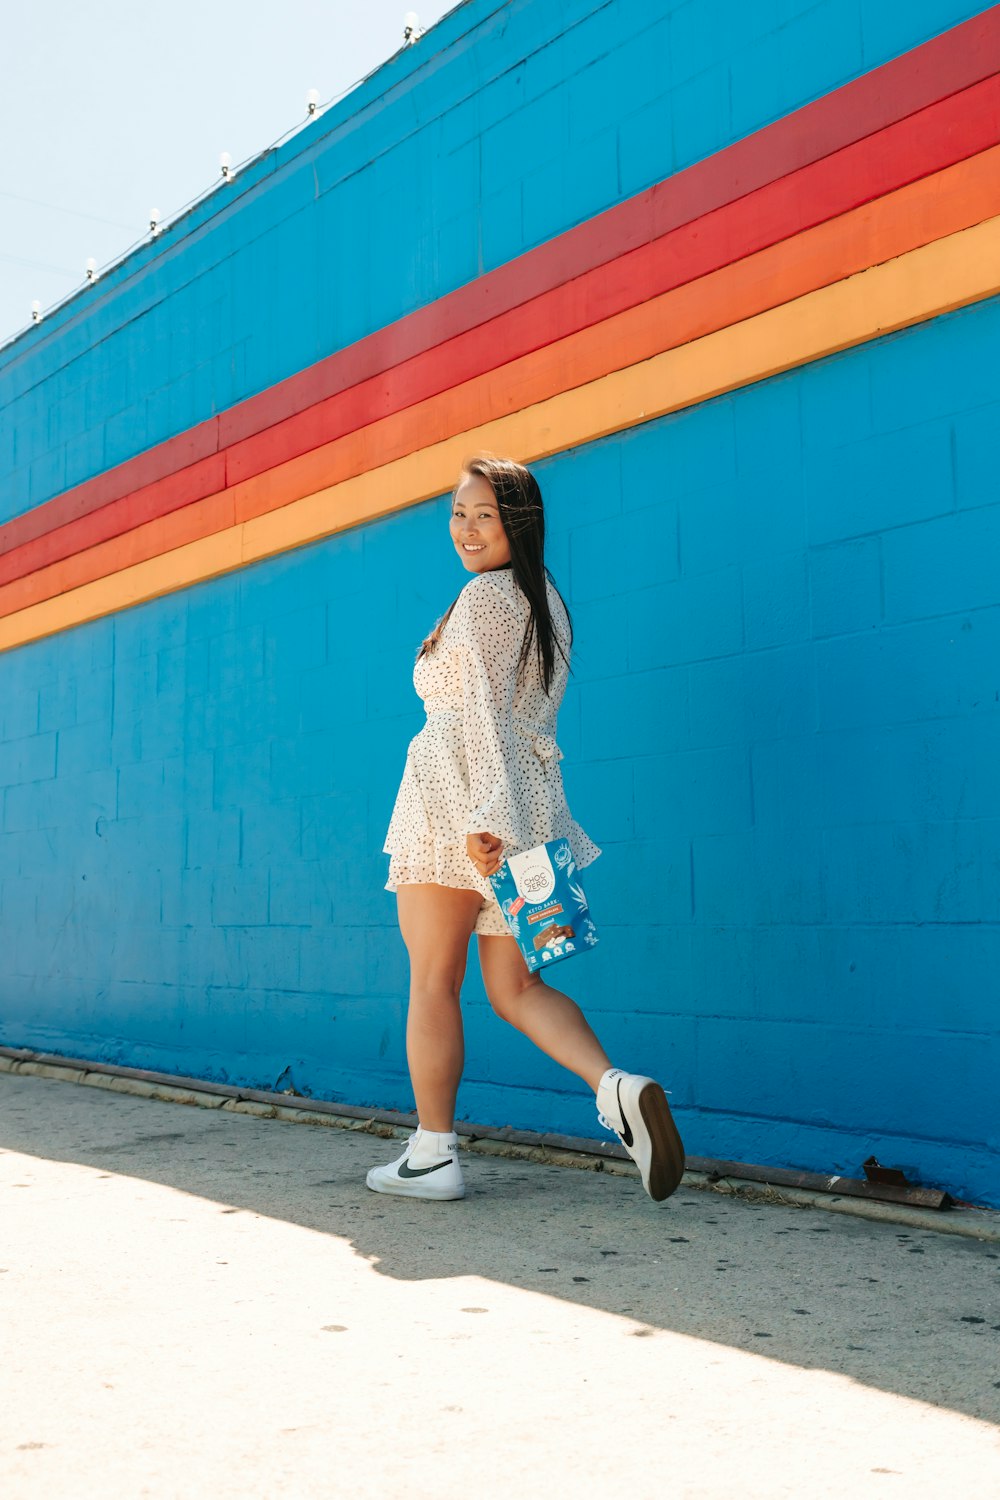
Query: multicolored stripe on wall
(874, 208)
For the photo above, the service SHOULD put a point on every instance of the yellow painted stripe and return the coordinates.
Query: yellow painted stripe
(935, 279)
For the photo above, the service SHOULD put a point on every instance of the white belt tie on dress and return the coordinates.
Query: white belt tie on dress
(543, 744)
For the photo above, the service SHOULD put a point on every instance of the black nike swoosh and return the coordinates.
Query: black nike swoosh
(626, 1128)
(405, 1170)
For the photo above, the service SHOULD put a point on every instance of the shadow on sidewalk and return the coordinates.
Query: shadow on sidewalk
(905, 1311)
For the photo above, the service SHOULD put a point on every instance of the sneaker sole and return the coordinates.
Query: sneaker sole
(666, 1167)
(402, 1189)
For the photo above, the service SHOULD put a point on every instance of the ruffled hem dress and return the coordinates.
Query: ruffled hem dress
(486, 759)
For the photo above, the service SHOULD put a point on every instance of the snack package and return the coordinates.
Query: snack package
(543, 905)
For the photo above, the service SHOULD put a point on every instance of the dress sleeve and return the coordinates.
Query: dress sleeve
(488, 636)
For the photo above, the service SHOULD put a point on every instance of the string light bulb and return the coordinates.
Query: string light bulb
(312, 101)
(412, 32)
(91, 268)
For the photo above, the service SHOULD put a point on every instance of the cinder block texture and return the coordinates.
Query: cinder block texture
(508, 124)
(783, 727)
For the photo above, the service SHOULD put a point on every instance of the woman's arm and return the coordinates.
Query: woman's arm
(488, 635)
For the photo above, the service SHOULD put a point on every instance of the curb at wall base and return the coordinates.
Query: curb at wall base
(979, 1224)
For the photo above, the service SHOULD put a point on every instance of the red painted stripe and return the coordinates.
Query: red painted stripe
(168, 460)
(959, 197)
(161, 498)
(957, 128)
(946, 64)
(937, 137)
(953, 61)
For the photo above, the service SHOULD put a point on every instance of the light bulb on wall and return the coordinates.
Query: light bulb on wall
(36, 311)
(91, 268)
(226, 163)
(411, 28)
(154, 221)
(312, 101)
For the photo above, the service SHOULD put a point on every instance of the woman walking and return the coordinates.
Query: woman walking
(482, 782)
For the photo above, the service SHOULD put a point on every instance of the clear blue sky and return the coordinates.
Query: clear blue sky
(111, 109)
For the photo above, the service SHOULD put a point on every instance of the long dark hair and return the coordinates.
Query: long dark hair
(519, 501)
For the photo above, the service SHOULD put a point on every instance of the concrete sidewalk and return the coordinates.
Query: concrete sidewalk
(199, 1302)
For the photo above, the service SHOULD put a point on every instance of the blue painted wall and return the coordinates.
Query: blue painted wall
(784, 721)
(504, 126)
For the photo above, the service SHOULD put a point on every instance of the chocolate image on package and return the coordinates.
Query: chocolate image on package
(543, 905)
(552, 935)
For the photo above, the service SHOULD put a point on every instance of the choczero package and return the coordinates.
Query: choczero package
(544, 907)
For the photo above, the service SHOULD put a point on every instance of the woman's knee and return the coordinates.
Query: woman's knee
(437, 992)
(509, 999)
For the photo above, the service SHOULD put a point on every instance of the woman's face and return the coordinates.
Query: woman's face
(476, 528)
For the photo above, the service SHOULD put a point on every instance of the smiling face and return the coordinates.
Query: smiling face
(476, 528)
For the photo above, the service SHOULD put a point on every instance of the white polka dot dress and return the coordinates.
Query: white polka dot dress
(486, 759)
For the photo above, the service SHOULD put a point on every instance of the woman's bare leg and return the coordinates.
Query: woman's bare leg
(549, 1018)
(436, 922)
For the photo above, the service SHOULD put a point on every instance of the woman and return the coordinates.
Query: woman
(481, 782)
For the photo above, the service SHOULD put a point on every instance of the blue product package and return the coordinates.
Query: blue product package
(544, 907)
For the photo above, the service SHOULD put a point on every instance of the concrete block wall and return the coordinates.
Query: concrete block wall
(784, 718)
(528, 118)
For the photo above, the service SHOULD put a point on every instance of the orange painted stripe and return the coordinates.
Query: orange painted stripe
(916, 215)
(916, 114)
(936, 278)
(935, 138)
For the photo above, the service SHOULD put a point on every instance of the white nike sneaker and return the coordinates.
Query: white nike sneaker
(428, 1168)
(636, 1109)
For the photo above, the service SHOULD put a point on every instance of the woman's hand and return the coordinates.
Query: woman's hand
(484, 850)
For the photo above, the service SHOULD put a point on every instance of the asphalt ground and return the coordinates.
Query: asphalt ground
(195, 1301)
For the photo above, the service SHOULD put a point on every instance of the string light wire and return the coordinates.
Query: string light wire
(179, 213)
